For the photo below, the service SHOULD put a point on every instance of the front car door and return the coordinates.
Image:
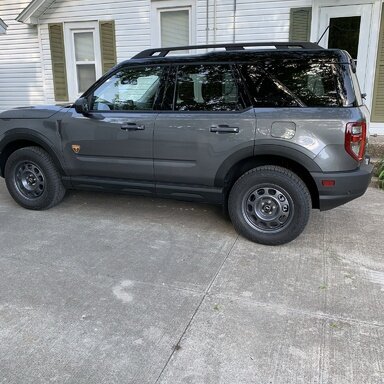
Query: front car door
(115, 139)
(210, 123)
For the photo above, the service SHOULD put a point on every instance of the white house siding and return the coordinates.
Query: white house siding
(255, 21)
(21, 79)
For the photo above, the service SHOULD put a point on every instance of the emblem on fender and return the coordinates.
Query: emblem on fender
(76, 148)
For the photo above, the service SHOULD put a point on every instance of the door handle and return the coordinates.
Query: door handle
(224, 129)
(132, 127)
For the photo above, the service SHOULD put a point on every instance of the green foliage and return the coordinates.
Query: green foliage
(380, 174)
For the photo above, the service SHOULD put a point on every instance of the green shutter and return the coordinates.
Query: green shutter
(378, 90)
(108, 45)
(300, 24)
(56, 40)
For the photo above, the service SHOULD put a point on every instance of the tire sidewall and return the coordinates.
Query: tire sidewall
(296, 192)
(23, 155)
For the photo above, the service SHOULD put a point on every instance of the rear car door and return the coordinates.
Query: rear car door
(207, 123)
(115, 139)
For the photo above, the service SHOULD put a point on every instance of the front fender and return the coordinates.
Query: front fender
(25, 136)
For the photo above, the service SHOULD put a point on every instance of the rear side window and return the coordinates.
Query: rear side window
(206, 88)
(309, 84)
(265, 91)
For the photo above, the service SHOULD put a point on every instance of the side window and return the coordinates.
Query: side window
(130, 89)
(316, 84)
(206, 88)
(264, 90)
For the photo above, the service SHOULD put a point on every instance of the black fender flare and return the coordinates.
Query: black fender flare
(266, 150)
(20, 134)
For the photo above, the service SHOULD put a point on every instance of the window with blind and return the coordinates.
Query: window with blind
(85, 62)
(173, 23)
(175, 28)
(83, 56)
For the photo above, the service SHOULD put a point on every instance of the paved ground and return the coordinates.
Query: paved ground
(117, 289)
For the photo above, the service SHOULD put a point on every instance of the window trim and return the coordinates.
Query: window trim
(69, 44)
(171, 6)
(160, 94)
(173, 76)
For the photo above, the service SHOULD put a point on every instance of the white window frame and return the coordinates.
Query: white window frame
(158, 7)
(69, 31)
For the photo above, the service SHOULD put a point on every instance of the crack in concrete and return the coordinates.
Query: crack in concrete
(206, 294)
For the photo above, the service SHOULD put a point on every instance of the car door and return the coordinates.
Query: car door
(209, 123)
(115, 138)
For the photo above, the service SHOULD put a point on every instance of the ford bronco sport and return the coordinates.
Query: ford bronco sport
(269, 130)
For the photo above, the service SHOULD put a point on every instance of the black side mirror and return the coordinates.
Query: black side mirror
(82, 106)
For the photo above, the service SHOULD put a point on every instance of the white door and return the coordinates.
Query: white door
(349, 29)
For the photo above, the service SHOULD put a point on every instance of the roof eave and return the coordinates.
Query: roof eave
(3, 26)
(30, 14)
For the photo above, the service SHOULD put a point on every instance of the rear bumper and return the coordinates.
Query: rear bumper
(348, 186)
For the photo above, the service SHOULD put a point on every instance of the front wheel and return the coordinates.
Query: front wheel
(269, 205)
(32, 179)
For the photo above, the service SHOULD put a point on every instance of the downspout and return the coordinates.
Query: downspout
(234, 20)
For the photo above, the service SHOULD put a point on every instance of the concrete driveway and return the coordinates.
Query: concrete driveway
(122, 289)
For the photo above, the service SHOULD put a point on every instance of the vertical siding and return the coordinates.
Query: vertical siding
(21, 80)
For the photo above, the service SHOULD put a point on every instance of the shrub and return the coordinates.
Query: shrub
(380, 173)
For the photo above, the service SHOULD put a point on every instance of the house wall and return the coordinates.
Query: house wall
(266, 21)
(21, 78)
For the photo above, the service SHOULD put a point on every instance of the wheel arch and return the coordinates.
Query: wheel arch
(298, 163)
(16, 141)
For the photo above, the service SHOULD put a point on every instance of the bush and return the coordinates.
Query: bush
(380, 173)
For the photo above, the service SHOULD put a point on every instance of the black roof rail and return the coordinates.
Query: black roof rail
(162, 52)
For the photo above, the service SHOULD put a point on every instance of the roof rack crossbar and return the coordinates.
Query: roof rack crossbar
(162, 52)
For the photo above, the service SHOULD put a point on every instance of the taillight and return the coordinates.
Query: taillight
(355, 139)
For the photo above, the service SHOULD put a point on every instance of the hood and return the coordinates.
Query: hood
(39, 112)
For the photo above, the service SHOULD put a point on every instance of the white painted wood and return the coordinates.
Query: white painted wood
(371, 10)
(3, 26)
(365, 12)
(163, 6)
(69, 30)
(21, 78)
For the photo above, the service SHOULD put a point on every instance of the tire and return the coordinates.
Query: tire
(269, 205)
(32, 179)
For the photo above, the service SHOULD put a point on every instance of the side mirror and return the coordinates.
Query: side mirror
(82, 106)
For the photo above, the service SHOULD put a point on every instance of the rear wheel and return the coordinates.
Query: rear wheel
(269, 205)
(32, 179)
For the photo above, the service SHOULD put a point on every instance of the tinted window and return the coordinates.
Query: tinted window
(206, 88)
(128, 89)
(289, 83)
(264, 90)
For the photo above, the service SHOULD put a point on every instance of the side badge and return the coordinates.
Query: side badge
(76, 148)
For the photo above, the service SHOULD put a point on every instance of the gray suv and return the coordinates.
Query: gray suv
(268, 130)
